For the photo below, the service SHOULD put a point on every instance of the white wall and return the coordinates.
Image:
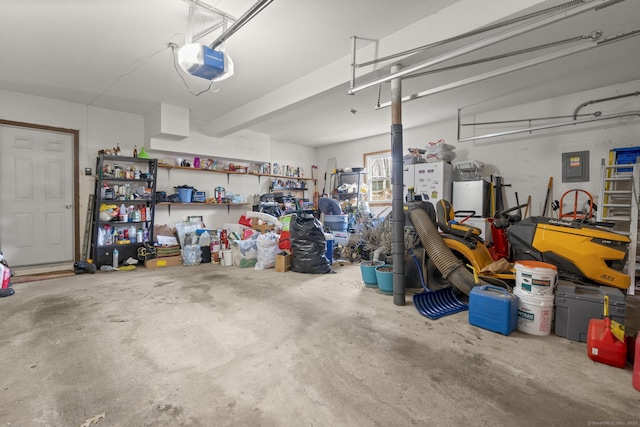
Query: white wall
(102, 129)
(250, 146)
(98, 128)
(526, 161)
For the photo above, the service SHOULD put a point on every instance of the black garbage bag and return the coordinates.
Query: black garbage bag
(80, 267)
(308, 246)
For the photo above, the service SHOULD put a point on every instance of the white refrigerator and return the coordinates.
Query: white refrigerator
(432, 181)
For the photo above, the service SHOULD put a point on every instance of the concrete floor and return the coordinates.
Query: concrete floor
(225, 346)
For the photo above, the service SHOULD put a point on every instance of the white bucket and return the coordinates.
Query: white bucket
(535, 313)
(227, 258)
(535, 277)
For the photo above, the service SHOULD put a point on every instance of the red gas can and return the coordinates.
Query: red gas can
(602, 345)
(636, 366)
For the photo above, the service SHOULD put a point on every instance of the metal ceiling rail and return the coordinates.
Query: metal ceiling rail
(485, 29)
(519, 66)
(246, 17)
(529, 120)
(554, 125)
(591, 36)
(224, 19)
(222, 24)
(202, 5)
(495, 73)
(491, 40)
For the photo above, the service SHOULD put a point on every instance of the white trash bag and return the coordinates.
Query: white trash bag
(268, 248)
(439, 151)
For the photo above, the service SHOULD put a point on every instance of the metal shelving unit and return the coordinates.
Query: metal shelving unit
(350, 178)
(102, 252)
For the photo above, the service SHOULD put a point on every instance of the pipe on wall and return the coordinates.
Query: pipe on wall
(553, 125)
(596, 101)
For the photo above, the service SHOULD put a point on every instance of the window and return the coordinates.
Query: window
(378, 165)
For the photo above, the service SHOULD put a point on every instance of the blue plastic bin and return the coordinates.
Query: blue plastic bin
(185, 194)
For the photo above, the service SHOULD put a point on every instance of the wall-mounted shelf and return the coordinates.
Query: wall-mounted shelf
(228, 173)
(228, 205)
(288, 189)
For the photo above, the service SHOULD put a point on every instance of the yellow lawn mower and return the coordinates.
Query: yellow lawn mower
(581, 251)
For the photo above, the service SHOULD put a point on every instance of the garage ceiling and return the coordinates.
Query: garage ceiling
(292, 60)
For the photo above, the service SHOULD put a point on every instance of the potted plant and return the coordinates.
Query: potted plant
(368, 271)
(384, 277)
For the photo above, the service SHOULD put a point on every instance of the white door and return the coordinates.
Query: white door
(37, 195)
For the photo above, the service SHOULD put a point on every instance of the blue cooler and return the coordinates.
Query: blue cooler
(493, 308)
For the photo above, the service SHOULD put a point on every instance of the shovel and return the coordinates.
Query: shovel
(435, 304)
(606, 340)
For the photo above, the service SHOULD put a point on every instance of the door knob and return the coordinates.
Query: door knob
(68, 206)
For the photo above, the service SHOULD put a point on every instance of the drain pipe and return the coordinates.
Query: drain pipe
(397, 188)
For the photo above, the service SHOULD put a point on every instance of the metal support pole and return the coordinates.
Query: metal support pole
(397, 189)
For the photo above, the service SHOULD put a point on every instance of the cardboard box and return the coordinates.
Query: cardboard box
(261, 227)
(283, 263)
(163, 262)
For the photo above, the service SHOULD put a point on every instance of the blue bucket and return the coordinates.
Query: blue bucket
(185, 194)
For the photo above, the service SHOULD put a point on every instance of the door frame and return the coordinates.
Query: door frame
(76, 178)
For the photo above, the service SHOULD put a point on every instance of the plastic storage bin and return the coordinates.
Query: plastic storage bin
(626, 156)
(493, 308)
(185, 194)
(577, 304)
